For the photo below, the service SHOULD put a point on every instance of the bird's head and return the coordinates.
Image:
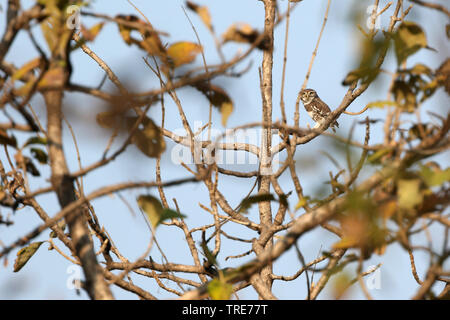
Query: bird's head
(307, 95)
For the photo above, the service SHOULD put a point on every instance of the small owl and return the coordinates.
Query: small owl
(316, 108)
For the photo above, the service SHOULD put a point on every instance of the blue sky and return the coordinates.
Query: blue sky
(45, 274)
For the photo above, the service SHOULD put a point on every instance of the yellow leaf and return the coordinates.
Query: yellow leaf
(155, 211)
(346, 242)
(26, 68)
(219, 290)
(226, 110)
(91, 34)
(408, 192)
(152, 44)
(203, 13)
(183, 52)
(381, 104)
(152, 208)
(408, 39)
(49, 34)
(125, 33)
(301, 202)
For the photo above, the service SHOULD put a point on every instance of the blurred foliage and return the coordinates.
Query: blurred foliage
(154, 210)
(25, 254)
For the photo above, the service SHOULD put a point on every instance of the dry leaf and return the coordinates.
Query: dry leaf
(24, 254)
(218, 97)
(202, 12)
(183, 52)
(149, 139)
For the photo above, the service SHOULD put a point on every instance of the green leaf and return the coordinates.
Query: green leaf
(24, 254)
(39, 155)
(219, 290)
(35, 140)
(434, 177)
(375, 158)
(155, 211)
(408, 192)
(168, 214)
(248, 202)
(408, 39)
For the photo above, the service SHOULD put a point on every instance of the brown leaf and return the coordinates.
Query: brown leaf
(218, 98)
(443, 75)
(149, 139)
(5, 139)
(91, 33)
(404, 96)
(106, 119)
(152, 44)
(202, 12)
(24, 254)
(244, 33)
(150, 41)
(125, 30)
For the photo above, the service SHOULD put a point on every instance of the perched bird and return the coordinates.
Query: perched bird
(316, 108)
